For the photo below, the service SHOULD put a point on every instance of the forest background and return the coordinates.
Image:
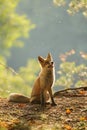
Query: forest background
(59, 30)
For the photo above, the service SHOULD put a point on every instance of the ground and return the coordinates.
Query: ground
(70, 113)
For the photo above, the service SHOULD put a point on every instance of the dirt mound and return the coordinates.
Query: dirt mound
(69, 114)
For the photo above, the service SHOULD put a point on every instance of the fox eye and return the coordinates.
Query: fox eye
(52, 62)
(46, 62)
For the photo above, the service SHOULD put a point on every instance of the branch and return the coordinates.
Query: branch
(67, 91)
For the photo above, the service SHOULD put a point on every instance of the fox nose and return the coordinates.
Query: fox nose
(52, 62)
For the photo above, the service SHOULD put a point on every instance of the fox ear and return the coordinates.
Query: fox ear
(41, 59)
(49, 57)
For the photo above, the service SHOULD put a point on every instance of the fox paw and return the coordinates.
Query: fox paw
(53, 104)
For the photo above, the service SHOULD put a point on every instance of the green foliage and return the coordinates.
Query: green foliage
(74, 6)
(20, 82)
(30, 72)
(12, 25)
(71, 74)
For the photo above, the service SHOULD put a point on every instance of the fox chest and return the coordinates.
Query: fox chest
(46, 80)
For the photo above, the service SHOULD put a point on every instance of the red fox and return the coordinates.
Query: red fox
(44, 82)
(42, 86)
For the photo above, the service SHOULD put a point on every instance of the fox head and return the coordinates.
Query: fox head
(46, 62)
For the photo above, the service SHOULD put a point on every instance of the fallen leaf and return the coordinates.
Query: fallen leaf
(82, 92)
(83, 118)
(67, 127)
(68, 111)
(3, 124)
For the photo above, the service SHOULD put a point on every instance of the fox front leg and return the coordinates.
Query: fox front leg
(51, 96)
(42, 98)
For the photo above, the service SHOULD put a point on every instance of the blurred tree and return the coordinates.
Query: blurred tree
(70, 73)
(12, 25)
(74, 6)
(21, 82)
(30, 71)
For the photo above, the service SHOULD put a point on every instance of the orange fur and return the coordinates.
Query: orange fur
(16, 97)
(44, 82)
